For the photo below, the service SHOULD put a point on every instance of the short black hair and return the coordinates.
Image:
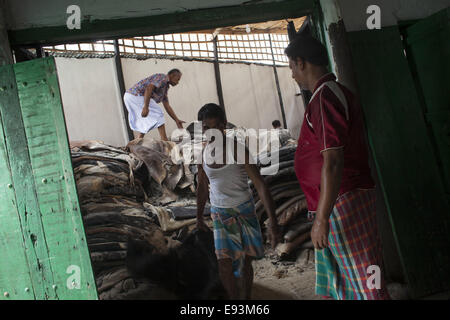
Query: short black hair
(276, 123)
(174, 71)
(307, 48)
(211, 111)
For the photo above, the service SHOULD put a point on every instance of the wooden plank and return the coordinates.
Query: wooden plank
(121, 83)
(26, 200)
(218, 77)
(277, 83)
(403, 156)
(15, 278)
(53, 177)
(186, 21)
(429, 51)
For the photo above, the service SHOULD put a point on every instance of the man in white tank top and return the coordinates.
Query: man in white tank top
(237, 233)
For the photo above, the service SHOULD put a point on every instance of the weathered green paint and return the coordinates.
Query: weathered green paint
(162, 24)
(45, 129)
(429, 49)
(50, 223)
(319, 29)
(404, 159)
(25, 194)
(13, 259)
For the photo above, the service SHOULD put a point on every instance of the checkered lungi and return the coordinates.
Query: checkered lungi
(237, 234)
(354, 244)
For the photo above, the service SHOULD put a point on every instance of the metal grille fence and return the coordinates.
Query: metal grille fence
(256, 47)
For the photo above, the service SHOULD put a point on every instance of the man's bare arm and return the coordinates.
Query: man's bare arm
(330, 182)
(202, 195)
(265, 196)
(147, 96)
(172, 114)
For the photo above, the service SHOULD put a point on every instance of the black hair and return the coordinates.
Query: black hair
(211, 110)
(174, 71)
(276, 123)
(307, 48)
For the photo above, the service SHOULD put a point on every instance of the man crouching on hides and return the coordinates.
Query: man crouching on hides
(142, 101)
(237, 233)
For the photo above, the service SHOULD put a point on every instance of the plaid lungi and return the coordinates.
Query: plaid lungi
(237, 234)
(342, 269)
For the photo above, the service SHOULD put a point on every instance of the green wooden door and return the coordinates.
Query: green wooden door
(404, 157)
(43, 249)
(428, 44)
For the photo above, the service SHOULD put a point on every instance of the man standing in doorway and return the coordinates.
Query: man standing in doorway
(142, 100)
(331, 164)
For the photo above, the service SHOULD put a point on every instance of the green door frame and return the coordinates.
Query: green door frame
(193, 20)
(44, 252)
(44, 275)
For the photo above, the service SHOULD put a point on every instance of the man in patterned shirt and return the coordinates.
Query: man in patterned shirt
(141, 100)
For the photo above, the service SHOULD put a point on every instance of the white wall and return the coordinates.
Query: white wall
(392, 11)
(91, 100)
(293, 105)
(93, 106)
(250, 95)
(251, 98)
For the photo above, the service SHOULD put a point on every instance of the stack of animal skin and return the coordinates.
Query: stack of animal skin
(123, 193)
(139, 212)
(277, 169)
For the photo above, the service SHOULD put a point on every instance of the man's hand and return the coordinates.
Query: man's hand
(201, 225)
(144, 112)
(319, 233)
(180, 123)
(274, 234)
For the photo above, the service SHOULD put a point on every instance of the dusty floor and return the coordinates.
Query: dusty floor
(295, 280)
(285, 280)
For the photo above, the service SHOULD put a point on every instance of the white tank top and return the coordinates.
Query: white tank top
(228, 185)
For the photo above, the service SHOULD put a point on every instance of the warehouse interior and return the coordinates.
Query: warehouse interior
(251, 72)
(75, 192)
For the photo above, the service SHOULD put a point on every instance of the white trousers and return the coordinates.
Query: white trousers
(135, 104)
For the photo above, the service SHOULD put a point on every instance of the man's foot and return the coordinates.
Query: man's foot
(134, 142)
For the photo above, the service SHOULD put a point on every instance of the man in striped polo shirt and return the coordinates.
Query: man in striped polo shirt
(331, 164)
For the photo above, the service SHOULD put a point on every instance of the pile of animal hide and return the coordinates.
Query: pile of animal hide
(262, 139)
(277, 168)
(144, 194)
(120, 194)
(170, 176)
